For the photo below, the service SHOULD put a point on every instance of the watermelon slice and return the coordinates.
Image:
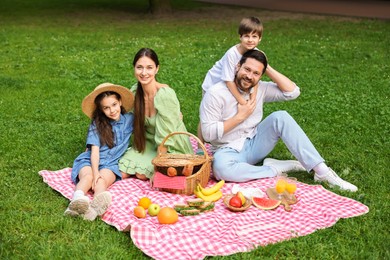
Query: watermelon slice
(265, 203)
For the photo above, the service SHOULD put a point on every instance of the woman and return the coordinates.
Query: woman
(156, 114)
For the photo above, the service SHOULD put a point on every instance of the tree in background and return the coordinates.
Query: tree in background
(160, 6)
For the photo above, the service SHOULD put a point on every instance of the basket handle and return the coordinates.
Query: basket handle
(161, 150)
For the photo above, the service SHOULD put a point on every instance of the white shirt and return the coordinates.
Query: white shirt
(218, 105)
(224, 69)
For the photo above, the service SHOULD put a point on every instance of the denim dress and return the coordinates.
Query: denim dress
(109, 157)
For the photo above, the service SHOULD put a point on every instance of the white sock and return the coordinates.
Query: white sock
(78, 194)
(321, 169)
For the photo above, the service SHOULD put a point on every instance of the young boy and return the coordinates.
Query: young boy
(250, 31)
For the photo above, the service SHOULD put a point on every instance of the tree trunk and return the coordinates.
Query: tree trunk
(160, 6)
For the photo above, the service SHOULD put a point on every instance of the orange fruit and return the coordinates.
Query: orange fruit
(139, 212)
(144, 202)
(171, 172)
(167, 215)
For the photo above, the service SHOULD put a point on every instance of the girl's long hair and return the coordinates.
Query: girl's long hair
(103, 125)
(139, 141)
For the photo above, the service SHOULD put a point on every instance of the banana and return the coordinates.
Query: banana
(213, 197)
(213, 189)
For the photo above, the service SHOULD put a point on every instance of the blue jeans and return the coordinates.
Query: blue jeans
(231, 165)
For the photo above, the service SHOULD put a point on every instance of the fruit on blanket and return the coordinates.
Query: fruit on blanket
(265, 203)
(235, 201)
(171, 172)
(242, 197)
(139, 212)
(167, 215)
(144, 202)
(153, 209)
(213, 189)
(213, 197)
(213, 193)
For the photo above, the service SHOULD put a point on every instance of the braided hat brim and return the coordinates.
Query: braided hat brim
(88, 105)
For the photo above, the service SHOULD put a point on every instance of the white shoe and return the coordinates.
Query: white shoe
(90, 215)
(71, 213)
(334, 180)
(79, 205)
(101, 202)
(284, 166)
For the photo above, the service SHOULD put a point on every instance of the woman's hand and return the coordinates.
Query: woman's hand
(151, 181)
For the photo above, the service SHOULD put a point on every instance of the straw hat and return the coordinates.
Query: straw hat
(127, 97)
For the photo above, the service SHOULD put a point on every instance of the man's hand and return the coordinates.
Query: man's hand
(283, 82)
(244, 111)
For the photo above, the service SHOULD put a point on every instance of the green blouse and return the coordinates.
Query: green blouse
(167, 120)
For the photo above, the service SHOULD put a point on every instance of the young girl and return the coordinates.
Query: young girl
(156, 114)
(108, 138)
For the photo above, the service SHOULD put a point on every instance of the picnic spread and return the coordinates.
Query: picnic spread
(219, 230)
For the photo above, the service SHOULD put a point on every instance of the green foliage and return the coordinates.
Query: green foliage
(54, 52)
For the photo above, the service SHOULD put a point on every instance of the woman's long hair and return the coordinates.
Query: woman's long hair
(103, 125)
(139, 141)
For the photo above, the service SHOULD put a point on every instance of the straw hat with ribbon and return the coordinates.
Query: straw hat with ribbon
(127, 97)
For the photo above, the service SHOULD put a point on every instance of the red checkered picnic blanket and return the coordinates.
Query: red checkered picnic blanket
(219, 232)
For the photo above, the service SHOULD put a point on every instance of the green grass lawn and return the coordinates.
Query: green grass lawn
(55, 52)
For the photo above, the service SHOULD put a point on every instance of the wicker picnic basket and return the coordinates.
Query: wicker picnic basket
(201, 165)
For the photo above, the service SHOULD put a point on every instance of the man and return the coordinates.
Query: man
(241, 139)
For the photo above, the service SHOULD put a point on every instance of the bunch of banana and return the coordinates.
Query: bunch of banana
(213, 193)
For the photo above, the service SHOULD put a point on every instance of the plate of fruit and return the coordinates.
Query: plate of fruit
(237, 202)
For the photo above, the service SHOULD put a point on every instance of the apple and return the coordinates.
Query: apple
(153, 209)
(235, 201)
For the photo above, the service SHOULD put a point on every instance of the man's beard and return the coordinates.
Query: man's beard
(240, 80)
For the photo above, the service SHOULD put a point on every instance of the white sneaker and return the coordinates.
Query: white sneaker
(79, 205)
(334, 180)
(71, 213)
(101, 202)
(284, 166)
(90, 215)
